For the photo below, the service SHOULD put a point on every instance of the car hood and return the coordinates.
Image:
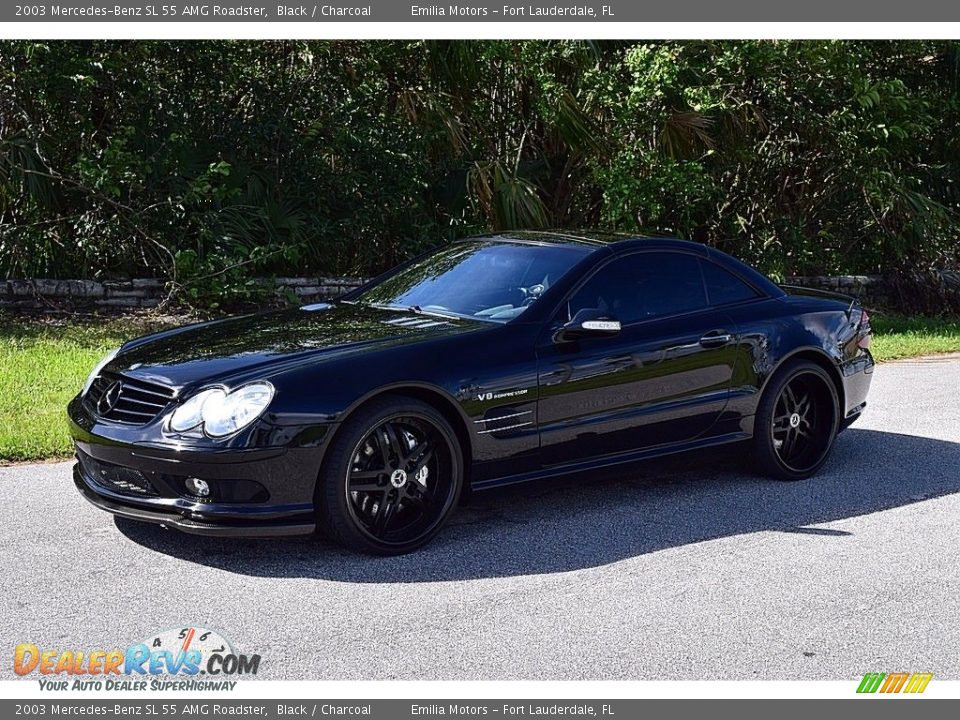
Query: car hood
(264, 344)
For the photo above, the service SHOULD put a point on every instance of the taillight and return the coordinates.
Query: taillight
(864, 334)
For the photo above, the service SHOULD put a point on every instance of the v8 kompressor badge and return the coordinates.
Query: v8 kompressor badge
(486, 396)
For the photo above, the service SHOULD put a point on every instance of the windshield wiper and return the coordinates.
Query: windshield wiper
(416, 310)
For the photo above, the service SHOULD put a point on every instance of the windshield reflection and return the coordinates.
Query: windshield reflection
(482, 280)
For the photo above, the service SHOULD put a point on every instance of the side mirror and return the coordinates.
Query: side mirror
(588, 322)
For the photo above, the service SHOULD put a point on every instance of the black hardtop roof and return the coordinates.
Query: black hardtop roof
(591, 238)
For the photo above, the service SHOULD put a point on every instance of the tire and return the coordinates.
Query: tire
(796, 422)
(391, 478)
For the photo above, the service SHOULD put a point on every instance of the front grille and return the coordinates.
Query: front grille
(121, 480)
(131, 401)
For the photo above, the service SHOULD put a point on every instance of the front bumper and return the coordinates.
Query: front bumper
(255, 491)
(184, 519)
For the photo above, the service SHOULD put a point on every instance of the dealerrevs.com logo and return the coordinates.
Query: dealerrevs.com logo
(203, 660)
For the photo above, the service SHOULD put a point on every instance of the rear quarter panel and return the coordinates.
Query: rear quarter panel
(775, 330)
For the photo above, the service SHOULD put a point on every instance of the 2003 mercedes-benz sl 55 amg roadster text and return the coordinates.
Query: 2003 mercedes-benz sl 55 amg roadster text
(489, 361)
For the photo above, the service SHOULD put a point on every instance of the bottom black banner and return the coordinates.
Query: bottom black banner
(874, 707)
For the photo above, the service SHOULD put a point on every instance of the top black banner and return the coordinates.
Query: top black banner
(497, 11)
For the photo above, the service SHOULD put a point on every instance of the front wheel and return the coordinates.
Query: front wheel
(391, 478)
(796, 422)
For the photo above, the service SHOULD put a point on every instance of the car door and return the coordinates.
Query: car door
(663, 379)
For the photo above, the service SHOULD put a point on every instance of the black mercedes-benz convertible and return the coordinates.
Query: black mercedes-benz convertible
(490, 361)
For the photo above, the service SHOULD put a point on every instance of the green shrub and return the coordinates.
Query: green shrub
(209, 162)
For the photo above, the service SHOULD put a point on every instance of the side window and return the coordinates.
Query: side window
(643, 285)
(723, 287)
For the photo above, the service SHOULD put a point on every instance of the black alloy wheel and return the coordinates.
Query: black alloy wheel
(392, 478)
(796, 423)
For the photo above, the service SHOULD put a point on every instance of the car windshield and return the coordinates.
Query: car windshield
(486, 280)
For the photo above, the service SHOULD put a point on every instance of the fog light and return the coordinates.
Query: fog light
(196, 486)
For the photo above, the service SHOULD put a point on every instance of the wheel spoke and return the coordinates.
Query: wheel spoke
(393, 438)
(780, 424)
(384, 513)
(383, 446)
(421, 455)
(791, 398)
(787, 448)
(419, 493)
(365, 480)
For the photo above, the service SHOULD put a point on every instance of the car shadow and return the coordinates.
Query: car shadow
(585, 521)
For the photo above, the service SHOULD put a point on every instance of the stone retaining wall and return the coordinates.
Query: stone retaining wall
(145, 292)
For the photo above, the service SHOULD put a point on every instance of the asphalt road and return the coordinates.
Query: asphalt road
(680, 571)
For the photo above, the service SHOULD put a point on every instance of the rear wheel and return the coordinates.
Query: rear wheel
(392, 477)
(796, 422)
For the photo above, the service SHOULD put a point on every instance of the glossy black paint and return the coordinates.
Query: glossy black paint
(523, 404)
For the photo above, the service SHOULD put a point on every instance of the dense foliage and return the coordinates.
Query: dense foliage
(208, 162)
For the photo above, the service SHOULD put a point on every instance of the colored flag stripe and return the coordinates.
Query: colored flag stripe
(900, 681)
(865, 683)
(890, 682)
(918, 681)
(871, 682)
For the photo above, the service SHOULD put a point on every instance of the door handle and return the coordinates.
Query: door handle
(716, 338)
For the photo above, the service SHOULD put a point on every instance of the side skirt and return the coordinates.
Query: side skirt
(613, 460)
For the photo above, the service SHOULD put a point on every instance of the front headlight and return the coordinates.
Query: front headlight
(190, 414)
(222, 413)
(96, 370)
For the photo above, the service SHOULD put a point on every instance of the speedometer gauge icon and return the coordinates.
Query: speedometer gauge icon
(184, 639)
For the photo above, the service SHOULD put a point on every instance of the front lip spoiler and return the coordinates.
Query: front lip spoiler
(187, 525)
